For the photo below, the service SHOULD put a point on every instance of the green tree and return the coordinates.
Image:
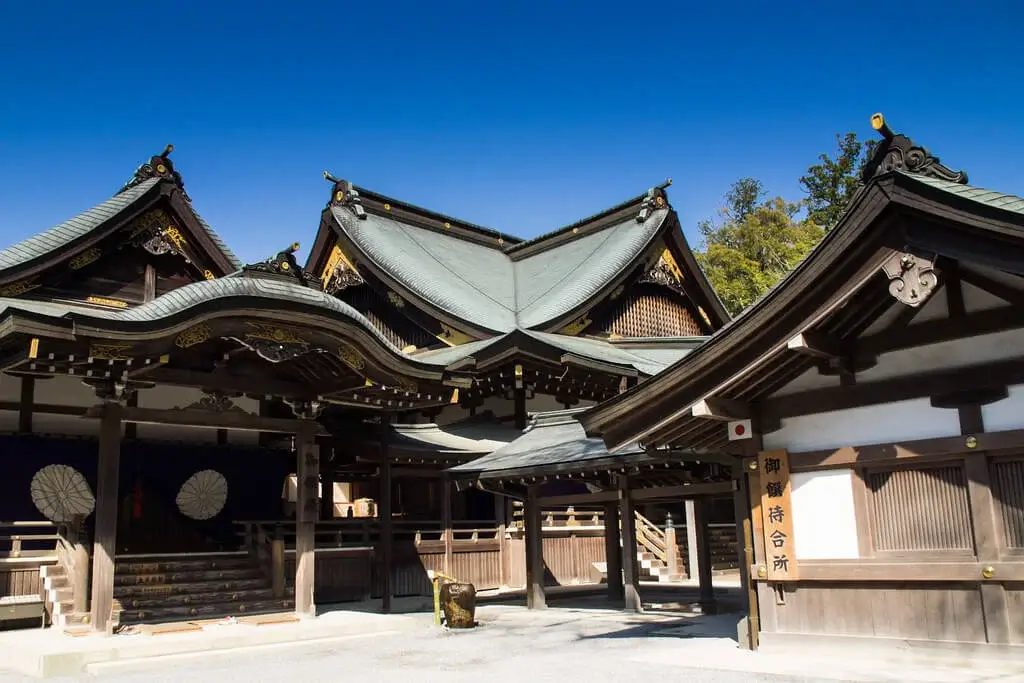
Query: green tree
(831, 183)
(755, 243)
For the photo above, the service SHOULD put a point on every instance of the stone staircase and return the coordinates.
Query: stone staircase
(160, 589)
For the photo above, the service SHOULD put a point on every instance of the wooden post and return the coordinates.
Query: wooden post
(500, 508)
(613, 552)
(80, 561)
(277, 561)
(105, 534)
(446, 524)
(704, 565)
(307, 511)
(387, 533)
(692, 556)
(671, 548)
(630, 568)
(747, 630)
(534, 531)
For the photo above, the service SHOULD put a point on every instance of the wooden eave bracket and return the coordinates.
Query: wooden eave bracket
(722, 409)
(814, 345)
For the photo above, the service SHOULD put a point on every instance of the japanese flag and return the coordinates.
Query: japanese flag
(740, 429)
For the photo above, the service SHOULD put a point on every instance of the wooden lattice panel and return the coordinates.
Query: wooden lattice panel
(649, 312)
(383, 315)
(921, 509)
(1008, 490)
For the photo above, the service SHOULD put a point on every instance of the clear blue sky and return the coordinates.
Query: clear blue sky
(519, 116)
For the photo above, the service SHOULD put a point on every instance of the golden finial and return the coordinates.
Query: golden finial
(167, 150)
(328, 176)
(879, 124)
(294, 248)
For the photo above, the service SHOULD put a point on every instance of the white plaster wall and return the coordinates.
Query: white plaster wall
(886, 423)
(1005, 414)
(824, 522)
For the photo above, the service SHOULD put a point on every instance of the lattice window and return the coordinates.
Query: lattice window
(649, 312)
(921, 509)
(1008, 490)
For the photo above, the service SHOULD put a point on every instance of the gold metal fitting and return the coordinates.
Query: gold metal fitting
(988, 572)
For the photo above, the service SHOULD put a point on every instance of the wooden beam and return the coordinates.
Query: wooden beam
(723, 409)
(972, 377)
(105, 530)
(28, 393)
(998, 289)
(209, 420)
(534, 531)
(646, 495)
(907, 570)
(446, 524)
(940, 330)
(940, 448)
(256, 385)
(703, 538)
(630, 568)
(815, 346)
(613, 552)
(387, 528)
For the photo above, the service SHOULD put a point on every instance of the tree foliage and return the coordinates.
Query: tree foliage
(755, 242)
(831, 183)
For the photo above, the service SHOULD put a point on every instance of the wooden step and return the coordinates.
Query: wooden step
(211, 610)
(197, 576)
(192, 599)
(165, 589)
(168, 566)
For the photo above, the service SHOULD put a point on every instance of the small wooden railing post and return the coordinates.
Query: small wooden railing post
(671, 549)
(80, 564)
(277, 561)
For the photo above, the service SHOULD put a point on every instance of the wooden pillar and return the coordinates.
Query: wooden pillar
(307, 512)
(692, 556)
(702, 509)
(747, 630)
(387, 533)
(630, 566)
(25, 406)
(534, 530)
(105, 532)
(446, 524)
(500, 509)
(613, 552)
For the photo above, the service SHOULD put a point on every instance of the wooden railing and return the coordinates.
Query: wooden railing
(651, 538)
(569, 517)
(27, 539)
(73, 558)
(361, 532)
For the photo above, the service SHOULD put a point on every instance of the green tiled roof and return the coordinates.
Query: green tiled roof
(79, 227)
(483, 285)
(999, 200)
(555, 438)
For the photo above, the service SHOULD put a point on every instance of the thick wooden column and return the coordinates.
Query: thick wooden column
(692, 557)
(748, 629)
(704, 567)
(387, 532)
(534, 530)
(630, 568)
(327, 479)
(613, 552)
(105, 532)
(307, 513)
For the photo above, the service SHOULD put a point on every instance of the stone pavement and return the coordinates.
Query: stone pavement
(578, 639)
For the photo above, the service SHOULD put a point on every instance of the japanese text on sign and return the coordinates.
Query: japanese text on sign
(776, 515)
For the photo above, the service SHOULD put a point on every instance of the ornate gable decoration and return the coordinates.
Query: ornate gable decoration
(345, 194)
(655, 199)
(159, 166)
(897, 152)
(283, 266)
(665, 272)
(339, 274)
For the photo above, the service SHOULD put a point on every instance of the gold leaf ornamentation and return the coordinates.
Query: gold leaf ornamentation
(18, 288)
(407, 385)
(576, 326)
(351, 357)
(109, 351)
(208, 274)
(274, 334)
(193, 335)
(452, 337)
(395, 300)
(103, 301)
(175, 236)
(85, 258)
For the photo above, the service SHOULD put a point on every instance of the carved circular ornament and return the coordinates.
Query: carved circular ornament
(203, 495)
(61, 492)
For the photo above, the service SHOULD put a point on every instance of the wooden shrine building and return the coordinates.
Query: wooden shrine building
(879, 474)
(286, 426)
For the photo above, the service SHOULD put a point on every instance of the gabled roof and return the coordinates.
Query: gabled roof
(903, 179)
(152, 181)
(490, 282)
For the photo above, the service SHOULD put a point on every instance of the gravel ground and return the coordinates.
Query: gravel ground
(512, 644)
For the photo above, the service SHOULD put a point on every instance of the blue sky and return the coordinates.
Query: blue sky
(518, 116)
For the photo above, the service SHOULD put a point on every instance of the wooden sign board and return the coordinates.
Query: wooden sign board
(777, 516)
